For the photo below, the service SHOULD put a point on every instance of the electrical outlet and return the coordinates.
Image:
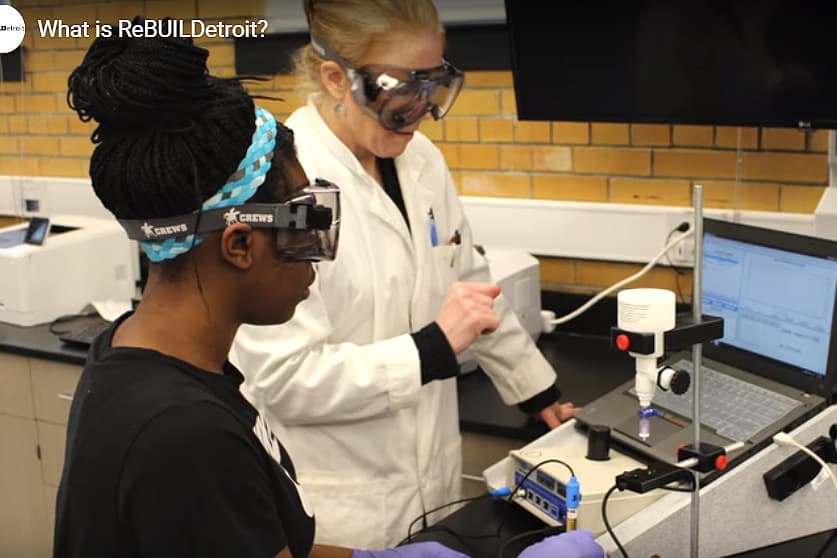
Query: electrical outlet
(32, 198)
(682, 254)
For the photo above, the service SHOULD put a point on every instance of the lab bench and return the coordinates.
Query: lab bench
(587, 368)
(38, 374)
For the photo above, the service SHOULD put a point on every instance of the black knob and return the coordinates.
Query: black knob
(598, 442)
(680, 382)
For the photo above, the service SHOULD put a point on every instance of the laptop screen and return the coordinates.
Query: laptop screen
(776, 302)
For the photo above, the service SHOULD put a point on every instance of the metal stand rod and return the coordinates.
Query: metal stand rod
(697, 354)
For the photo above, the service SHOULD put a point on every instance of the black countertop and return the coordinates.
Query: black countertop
(586, 366)
(39, 342)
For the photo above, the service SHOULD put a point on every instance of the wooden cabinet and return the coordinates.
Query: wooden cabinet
(23, 516)
(35, 400)
(53, 385)
(15, 387)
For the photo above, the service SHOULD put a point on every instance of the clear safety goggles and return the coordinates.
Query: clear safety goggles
(399, 97)
(307, 225)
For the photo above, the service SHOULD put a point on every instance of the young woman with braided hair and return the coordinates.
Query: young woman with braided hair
(164, 457)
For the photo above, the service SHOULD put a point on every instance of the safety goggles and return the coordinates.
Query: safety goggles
(307, 225)
(399, 97)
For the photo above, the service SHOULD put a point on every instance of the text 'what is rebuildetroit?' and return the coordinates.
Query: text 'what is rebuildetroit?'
(153, 28)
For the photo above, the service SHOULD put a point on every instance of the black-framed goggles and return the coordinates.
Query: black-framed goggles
(307, 225)
(399, 97)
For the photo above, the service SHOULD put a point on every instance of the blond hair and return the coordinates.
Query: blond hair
(350, 28)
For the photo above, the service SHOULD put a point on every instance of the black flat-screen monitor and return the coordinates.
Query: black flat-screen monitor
(722, 62)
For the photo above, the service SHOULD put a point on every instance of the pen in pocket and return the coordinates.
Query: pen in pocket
(455, 242)
(434, 236)
(453, 254)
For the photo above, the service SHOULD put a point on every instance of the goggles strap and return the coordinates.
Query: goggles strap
(316, 209)
(241, 186)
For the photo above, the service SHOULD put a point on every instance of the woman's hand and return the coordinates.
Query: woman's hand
(467, 313)
(558, 413)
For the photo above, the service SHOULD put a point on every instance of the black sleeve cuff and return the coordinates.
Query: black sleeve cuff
(437, 359)
(541, 401)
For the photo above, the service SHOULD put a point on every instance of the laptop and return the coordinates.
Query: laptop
(775, 365)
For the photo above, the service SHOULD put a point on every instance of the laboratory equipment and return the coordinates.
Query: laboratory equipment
(649, 311)
(82, 259)
(765, 374)
(518, 274)
(547, 491)
(647, 326)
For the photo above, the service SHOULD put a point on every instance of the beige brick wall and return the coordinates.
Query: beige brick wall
(589, 276)
(490, 153)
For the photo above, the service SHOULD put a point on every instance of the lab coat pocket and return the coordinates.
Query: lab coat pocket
(436, 278)
(446, 263)
(348, 511)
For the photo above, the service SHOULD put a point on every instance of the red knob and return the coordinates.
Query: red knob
(623, 342)
(721, 462)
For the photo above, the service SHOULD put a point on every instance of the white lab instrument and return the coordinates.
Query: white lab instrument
(81, 260)
(734, 509)
(542, 492)
(646, 311)
(518, 274)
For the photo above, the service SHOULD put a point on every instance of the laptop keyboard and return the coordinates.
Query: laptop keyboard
(734, 408)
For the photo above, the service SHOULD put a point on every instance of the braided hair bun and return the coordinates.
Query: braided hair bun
(169, 133)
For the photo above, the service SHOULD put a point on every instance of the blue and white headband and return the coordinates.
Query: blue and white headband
(239, 188)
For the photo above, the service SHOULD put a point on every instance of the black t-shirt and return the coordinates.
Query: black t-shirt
(165, 459)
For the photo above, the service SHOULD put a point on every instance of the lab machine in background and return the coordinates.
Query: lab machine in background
(518, 274)
(81, 259)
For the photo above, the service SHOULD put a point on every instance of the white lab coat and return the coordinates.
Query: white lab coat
(340, 383)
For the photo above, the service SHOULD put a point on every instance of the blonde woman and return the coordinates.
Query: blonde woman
(361, 382)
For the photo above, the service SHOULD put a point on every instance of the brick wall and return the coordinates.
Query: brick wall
(488, 150)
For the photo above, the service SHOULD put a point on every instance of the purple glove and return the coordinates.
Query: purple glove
(575, 544)
(416, 550)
